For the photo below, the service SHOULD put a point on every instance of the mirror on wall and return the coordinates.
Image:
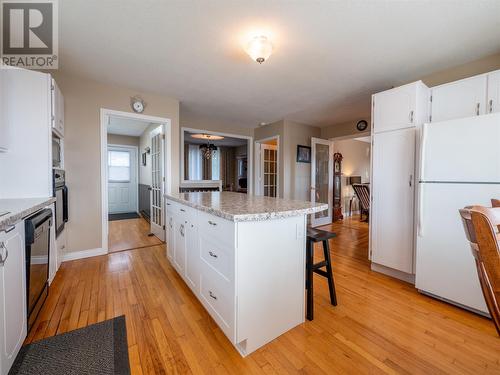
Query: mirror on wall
(216, 157)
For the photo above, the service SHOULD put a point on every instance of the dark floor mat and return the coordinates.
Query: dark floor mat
(125, 216)
(99, 349)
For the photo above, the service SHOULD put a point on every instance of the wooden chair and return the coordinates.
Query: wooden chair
(495, 203)
(363, 193)
(480, 224)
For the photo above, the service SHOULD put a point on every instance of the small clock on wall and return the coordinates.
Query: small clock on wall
(137, 104)
(362, 125)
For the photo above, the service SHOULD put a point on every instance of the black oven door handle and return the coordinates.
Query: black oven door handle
(65, 204)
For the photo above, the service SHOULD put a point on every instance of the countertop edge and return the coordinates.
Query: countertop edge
(16, 216)
(249, 217)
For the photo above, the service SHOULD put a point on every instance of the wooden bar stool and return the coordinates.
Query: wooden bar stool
(313, 236)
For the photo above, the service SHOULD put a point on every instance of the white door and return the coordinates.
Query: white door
(445, 265)
(122, 179)
(394, 109)
(464, 98)
(392, 207)
(268, 178)
(493, 92)
(157, 183)
(13, 324)
(322, 179)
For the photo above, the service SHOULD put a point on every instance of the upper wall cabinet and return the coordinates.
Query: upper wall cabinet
(464, 98)
(4, 136)
(57, 110)
(400, 108)
(493, 92)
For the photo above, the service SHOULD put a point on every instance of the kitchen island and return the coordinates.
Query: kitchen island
(243, 257)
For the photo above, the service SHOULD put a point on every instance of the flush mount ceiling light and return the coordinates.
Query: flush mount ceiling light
(259, 49)
(208, 137)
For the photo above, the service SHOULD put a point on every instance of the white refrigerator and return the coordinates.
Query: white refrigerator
(459, 165)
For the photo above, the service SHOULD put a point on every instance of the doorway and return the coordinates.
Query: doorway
(267, 167)
(135, 166)
(353, 191)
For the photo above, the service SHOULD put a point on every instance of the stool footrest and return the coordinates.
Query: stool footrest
(320, 265)
(322, 273)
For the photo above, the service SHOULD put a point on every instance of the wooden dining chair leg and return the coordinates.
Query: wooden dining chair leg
(310, 289)
(329, 271)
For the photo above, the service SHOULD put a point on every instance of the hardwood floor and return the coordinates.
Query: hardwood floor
(130, 234)
(381, 325)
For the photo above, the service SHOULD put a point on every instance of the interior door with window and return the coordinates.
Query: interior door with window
(322, 179)
(122, 179)
(157, 183)
(269, 170)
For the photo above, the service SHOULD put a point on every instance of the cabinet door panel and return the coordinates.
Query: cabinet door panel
(170, 237)
(180, 245)
(493, 104)
(192, 257)
(464, 98)
(13, 296)
(393, 199)
(395, 109)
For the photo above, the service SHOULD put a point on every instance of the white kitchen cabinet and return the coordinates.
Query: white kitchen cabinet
(400, 107)
(459, 99)
(493, 104)
(240, 271)
(4, 133)
(13, 324)
(57, 110)
(392, 216)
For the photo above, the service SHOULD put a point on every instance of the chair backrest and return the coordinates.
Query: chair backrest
(495, 203)
(363, 193)
(480, 224)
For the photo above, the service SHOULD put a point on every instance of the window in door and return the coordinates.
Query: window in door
(118, 166)
(270, 172)
(216, 165)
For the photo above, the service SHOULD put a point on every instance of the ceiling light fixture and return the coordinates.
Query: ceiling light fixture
(208, 137)
(259, 49)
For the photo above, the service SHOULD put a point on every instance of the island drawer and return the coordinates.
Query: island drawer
(180, 211)
(217, 295)
(217, 228)
(217, 256)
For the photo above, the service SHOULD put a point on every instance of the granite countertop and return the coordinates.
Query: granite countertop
(14, 210)
(243, 207)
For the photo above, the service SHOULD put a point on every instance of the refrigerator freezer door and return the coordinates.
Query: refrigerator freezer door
(464, 150)
(445, 266)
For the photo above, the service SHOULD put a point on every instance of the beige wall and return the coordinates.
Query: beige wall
(295, 178)
(344, 129)
(355, 162)
(195, 122)
(83, 101)
(126, 140)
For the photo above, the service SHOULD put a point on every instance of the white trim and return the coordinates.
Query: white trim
(327, 219)
(351, 136)
(167, 128)
(84, 254)
(136, 149)
(249, 156)
(258, 159)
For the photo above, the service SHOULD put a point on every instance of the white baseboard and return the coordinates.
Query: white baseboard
(84, 254)
(409, 278)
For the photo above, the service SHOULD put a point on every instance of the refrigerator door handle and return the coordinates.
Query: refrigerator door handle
(420, 217)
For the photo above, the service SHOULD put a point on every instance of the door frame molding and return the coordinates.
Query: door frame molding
(258, 159)
(167, 128)
(136, 149)
(249, 139)
(329, 143)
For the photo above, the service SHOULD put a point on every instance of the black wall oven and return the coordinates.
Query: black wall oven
(61, 195)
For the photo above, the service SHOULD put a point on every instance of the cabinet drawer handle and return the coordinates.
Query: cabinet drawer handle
(491, 105)
(411, 117)
(168, 204)
(10, 229)
(477, 108)
(183, 210)
(213, 255)
(212, 295)
(2, 259)
(212, 223)
(182, 230)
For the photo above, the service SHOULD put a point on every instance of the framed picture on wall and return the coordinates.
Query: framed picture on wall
(303, 154)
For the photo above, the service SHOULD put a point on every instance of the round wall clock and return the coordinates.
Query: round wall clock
(137, 104)
(362, 125)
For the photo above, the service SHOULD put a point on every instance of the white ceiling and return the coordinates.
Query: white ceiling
(124, 126)
(329, 55)
(227, 141)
